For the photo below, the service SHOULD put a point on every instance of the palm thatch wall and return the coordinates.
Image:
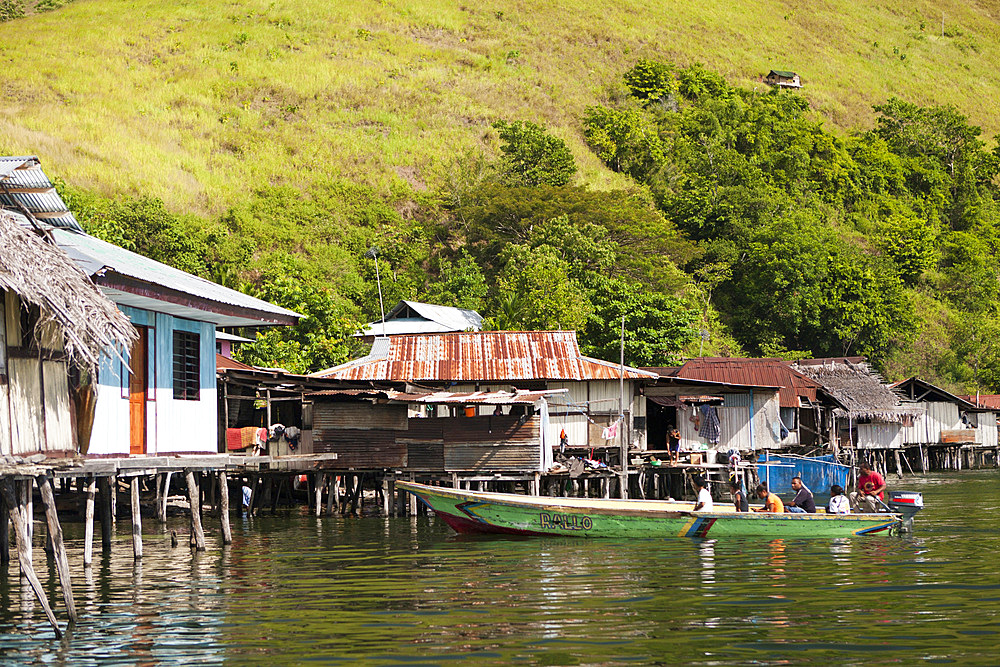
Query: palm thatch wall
(41, 274)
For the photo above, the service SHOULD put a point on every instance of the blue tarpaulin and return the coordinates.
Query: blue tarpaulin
(818, 473)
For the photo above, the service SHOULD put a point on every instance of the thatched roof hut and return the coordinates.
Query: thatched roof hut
(860, 391)
(41, 274)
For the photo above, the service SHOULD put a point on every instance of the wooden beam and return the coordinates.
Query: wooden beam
(58, 546)
(4, 532)
(197, 532)
(227, 531)
(320, 480)
(136, 521)
(88, 530)
(106, 527)
(18, 516)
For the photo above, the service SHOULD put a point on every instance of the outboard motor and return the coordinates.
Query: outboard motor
(906, 503)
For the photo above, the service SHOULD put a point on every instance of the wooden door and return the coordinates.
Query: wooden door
(137, 384)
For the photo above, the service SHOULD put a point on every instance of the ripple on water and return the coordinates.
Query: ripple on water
(293, 589)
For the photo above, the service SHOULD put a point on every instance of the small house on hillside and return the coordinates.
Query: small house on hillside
(782, 79)
(161, 398)
(413, 317)
(509, 361)
(870, 414)
(55, 326)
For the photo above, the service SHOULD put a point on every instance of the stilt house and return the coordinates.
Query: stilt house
(161, 397)
(509, 361)
(870, 414)
(948, 422)
(55, 327)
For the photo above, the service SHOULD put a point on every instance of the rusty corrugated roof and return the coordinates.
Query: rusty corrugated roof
(986, 401)
(763, 372)
(444, 397)
(225, 363)
(474, 356)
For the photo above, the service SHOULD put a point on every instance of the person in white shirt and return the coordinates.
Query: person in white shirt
(704, 496)
(839, 503)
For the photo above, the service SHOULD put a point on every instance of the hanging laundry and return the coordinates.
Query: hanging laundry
(292, 435)
(611, 432)
(275, 431)
(234, 439)
(710, 428)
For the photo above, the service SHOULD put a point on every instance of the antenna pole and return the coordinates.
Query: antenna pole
(378, 279)
(621, 415)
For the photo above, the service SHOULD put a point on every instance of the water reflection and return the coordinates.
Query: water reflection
(294, 588)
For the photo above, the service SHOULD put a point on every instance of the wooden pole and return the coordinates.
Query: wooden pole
(88, 530)
(166, 494)
(4, 531)
(29, 511)
(227, 531)
(58, 546)
(114, 499)
(332, 494)
(136, 521)
(19, 518)
(320, 480)
(197, 532)
(385, 496)
(159, 491)
(105, 485)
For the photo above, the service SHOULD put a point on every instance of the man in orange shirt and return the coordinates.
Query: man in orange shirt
(772, 503)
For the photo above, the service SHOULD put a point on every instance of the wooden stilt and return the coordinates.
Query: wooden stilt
(106, 528)
(19, 517)
(159, 501)
(28, 505)
(58, 546)
(88, 530)
(254, 496)
(385, 496)
(332, 494)
(114, 499)
(320, 481)
(166, 494)
(227, 531)
(412, 500)
(196, 530)
(4, 532)
(136, 520)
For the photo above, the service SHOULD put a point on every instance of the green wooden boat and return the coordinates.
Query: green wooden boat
(478, 512)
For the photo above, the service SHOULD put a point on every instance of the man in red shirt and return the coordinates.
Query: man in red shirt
(871, 486)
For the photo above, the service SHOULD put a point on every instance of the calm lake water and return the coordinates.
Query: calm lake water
(295, 589)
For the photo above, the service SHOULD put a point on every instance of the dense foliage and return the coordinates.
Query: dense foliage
(749, 229)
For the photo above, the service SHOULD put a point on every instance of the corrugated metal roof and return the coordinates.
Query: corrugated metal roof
(480, 356)
(445, 397)
(985, 401)
(414, 317)
(100, 259)
(764, 372)
(225, 363)
(26, 185)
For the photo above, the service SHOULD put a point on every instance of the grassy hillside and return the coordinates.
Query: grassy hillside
(196, 102)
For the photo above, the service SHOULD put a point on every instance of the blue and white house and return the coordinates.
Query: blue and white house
(164, 400)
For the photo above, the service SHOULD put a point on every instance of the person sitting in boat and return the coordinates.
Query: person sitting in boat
(803, 502)
(839, 504)
(869, 495)
(739, 493)
(772, 503)
(705, 503)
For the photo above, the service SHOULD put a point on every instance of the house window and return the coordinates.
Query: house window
(187, 366)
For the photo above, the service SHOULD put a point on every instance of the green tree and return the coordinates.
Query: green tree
(532, 156)
(547, 297)
(651, 81)
(626, 140)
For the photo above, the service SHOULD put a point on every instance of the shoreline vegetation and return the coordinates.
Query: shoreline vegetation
(251, 148)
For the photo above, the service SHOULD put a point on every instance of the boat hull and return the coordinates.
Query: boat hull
(475, 512)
